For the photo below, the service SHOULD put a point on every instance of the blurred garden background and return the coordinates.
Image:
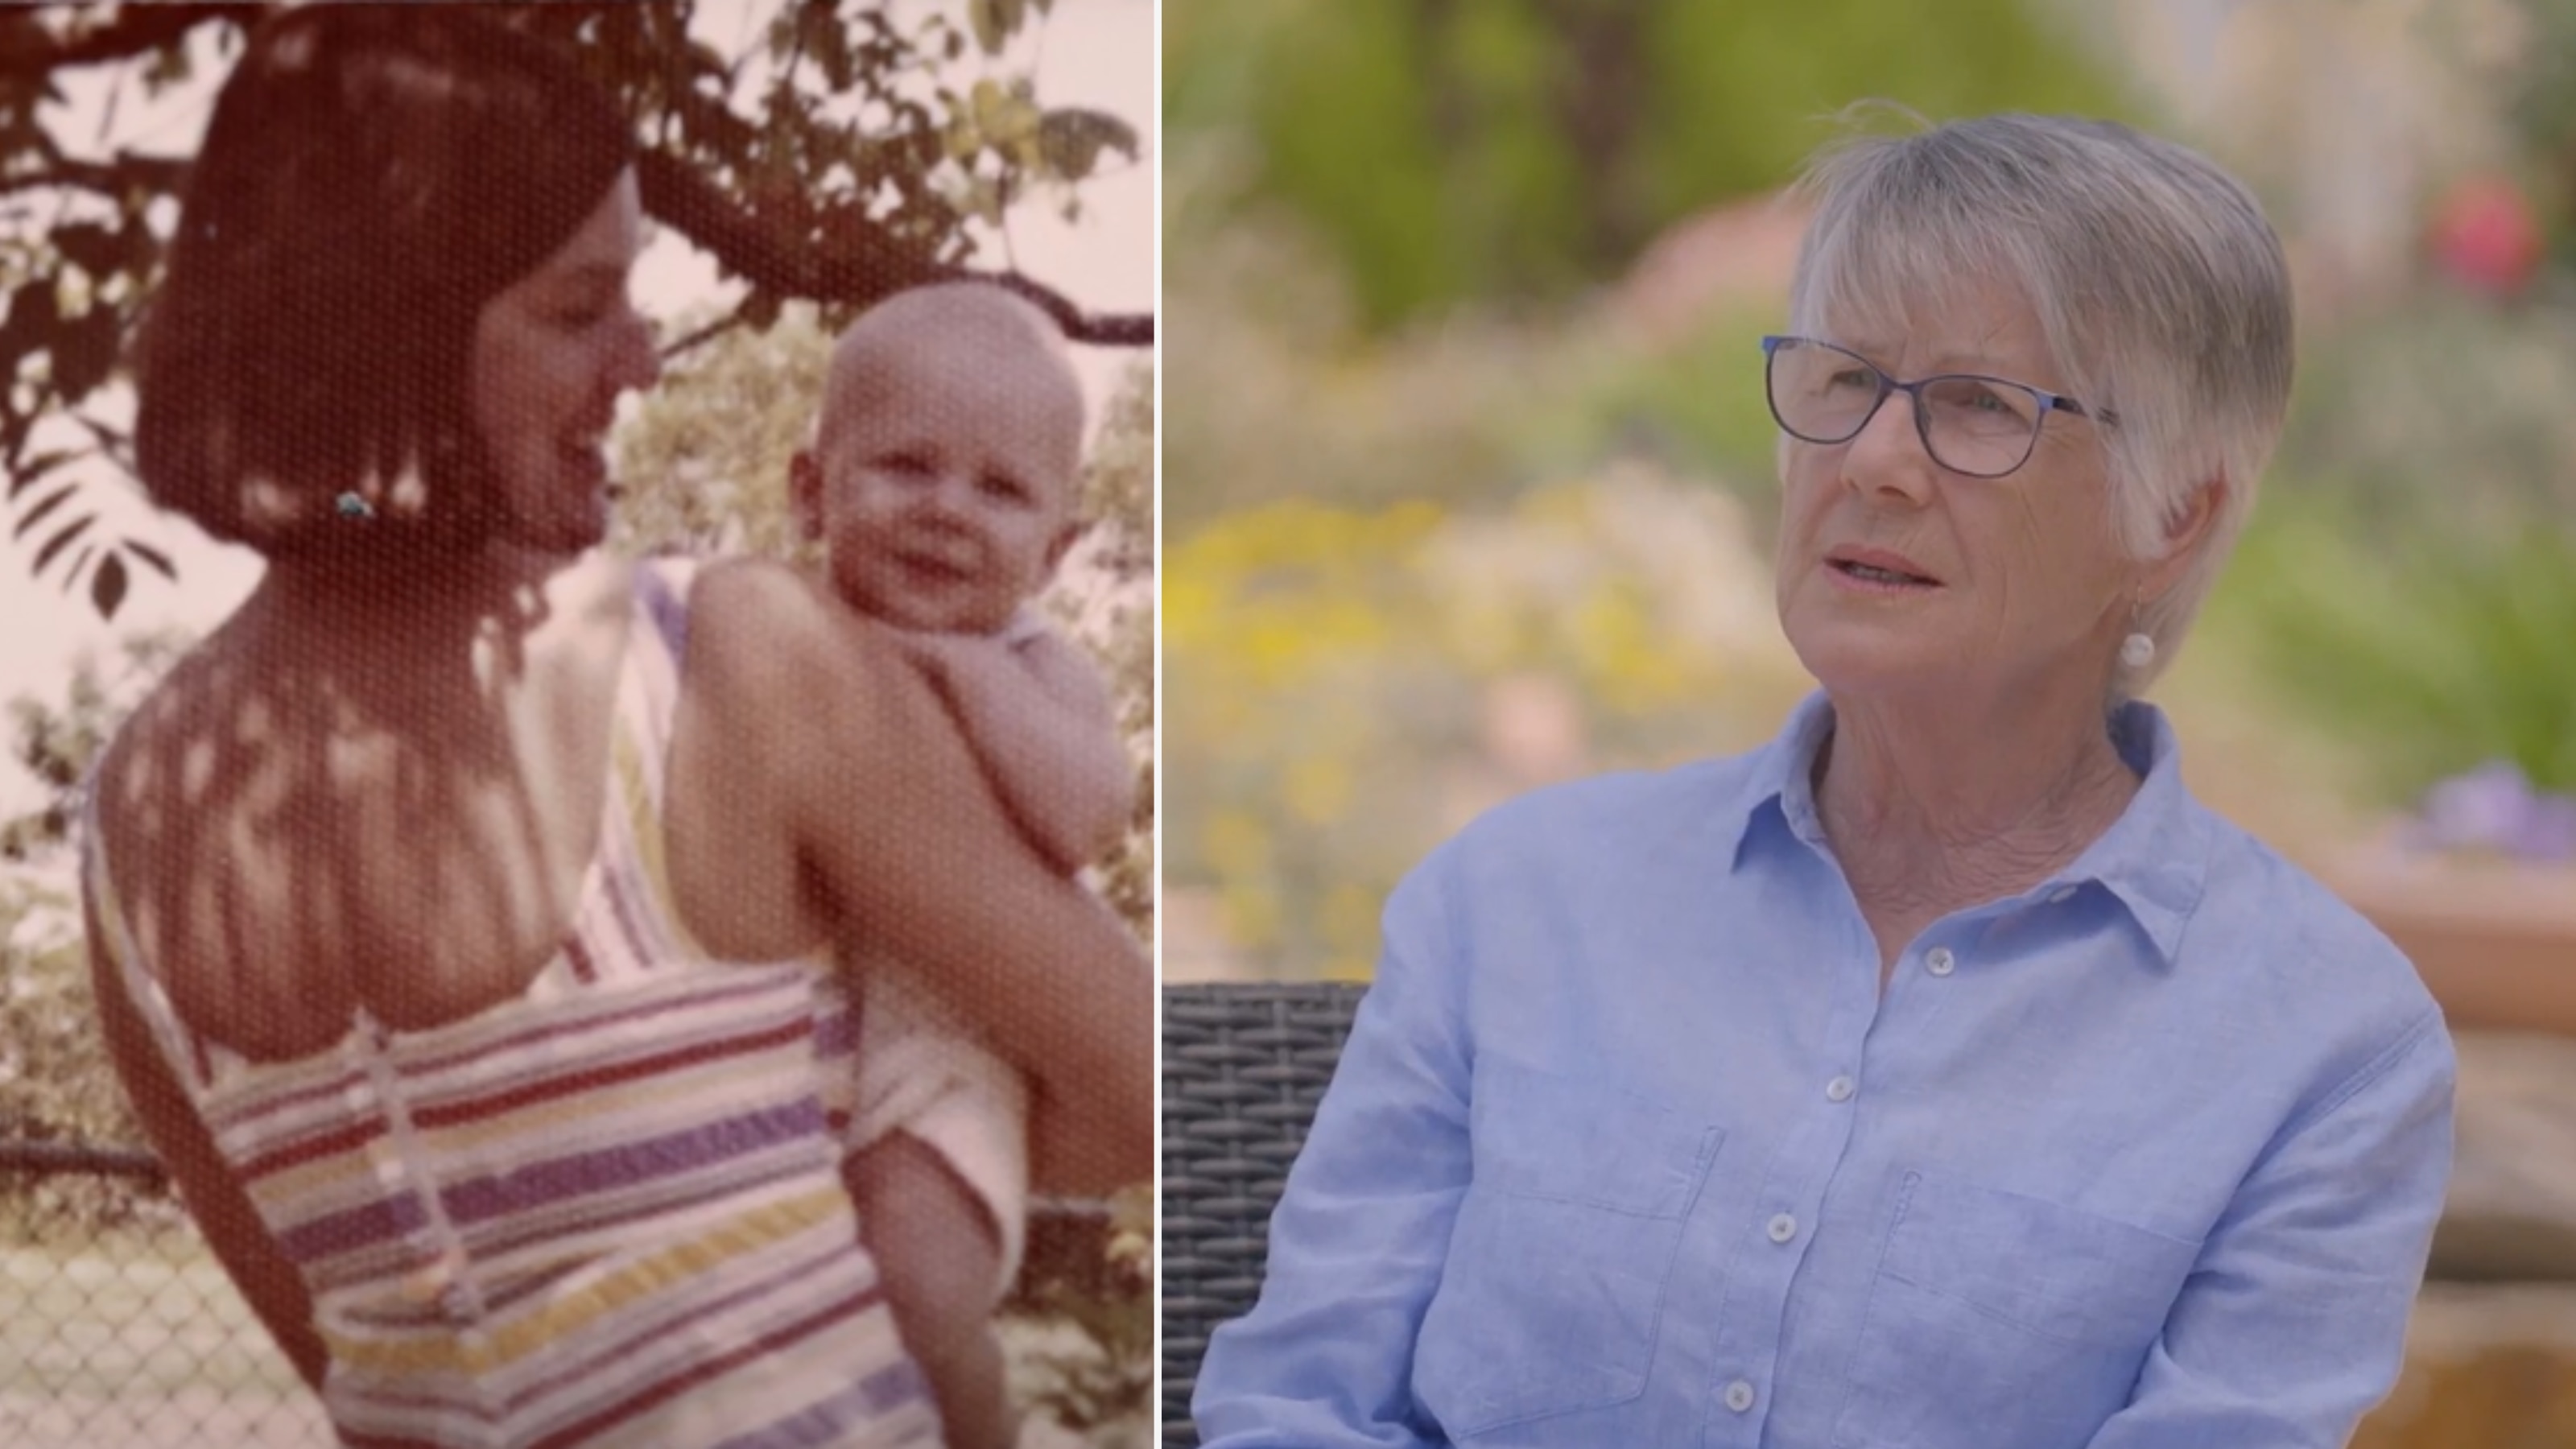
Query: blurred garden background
(1468, 482)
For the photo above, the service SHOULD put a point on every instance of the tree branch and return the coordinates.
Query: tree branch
(161, 175)
(135, 30)
(679, 197)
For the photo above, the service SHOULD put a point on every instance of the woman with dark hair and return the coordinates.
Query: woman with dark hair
(460, 901)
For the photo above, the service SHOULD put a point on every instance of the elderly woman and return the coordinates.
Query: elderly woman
(1941, 1075)
(460, 904)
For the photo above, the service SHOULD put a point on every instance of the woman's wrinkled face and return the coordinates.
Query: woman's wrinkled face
(1897, 574)
(550, 357)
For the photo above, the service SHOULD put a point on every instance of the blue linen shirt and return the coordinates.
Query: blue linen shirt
(1628, 1148)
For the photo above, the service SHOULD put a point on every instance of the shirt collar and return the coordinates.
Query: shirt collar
(2153, 859)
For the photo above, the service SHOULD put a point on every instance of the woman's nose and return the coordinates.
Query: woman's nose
(1887, 455)
(638, 362)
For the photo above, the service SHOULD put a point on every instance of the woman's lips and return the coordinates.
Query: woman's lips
(1873, 570)
(1868, 580)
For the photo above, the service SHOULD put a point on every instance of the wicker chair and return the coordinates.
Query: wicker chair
(1243, 1066)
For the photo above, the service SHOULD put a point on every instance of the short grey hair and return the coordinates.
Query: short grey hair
(2160, 288)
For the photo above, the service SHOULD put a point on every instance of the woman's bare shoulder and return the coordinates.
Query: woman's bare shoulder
(147, 759)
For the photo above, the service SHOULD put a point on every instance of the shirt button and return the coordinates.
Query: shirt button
(1840, 1089)
(1939, 961)
(1739, 1396)
(1783, 1228)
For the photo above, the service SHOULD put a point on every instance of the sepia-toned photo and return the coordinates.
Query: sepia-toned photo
(576, 862)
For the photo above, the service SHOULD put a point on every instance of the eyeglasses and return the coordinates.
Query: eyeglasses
(1983, 427)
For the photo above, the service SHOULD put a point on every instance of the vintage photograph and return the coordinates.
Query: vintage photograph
(576, 845)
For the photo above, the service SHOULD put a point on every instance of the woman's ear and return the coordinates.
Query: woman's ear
(2185, 531)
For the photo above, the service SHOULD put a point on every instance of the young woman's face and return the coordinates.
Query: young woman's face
(551, 354)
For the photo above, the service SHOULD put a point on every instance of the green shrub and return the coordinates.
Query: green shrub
(2434, 651)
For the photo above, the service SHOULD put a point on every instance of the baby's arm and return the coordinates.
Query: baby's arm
(1043, 727)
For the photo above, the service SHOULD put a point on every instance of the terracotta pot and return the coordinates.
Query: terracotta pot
(2494, 940)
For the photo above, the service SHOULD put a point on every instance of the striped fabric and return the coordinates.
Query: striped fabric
(609, 1213)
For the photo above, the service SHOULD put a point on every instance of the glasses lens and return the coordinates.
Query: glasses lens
(1977, 425)
(1819, 392)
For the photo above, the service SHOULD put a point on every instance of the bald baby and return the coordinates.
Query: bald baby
(944, 482)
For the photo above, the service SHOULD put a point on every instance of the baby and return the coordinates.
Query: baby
(943, 485)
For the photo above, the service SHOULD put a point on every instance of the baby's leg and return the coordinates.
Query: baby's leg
(939, 1253)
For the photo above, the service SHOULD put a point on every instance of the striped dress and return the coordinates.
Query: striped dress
(608, 1213)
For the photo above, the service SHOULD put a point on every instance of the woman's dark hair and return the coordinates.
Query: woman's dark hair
(373, 174)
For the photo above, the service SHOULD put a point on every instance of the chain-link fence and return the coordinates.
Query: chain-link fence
(121, 1331)
(118, 1330)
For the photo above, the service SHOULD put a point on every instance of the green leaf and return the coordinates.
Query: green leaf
(107, 586)
(986, 18)
(1071, 141)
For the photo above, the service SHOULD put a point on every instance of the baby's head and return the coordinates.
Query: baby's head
(946, 463)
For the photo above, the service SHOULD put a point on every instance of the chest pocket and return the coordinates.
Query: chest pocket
(1554, 1282)
(1999, 1320)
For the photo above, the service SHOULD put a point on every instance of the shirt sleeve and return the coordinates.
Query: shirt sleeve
(1325, 1358)
(2293, 1322)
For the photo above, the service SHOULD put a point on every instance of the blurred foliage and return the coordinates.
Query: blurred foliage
(57, 742)
(2440, 408)
(1360, 681)
(1272, 393)
(2437, 651)
(1104, 1386)
(1447, 151)
(2408, 584)
(2540, 91)
(54, 1083)
(703, 461)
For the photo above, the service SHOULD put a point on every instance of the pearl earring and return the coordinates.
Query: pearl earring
(2137, 651)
